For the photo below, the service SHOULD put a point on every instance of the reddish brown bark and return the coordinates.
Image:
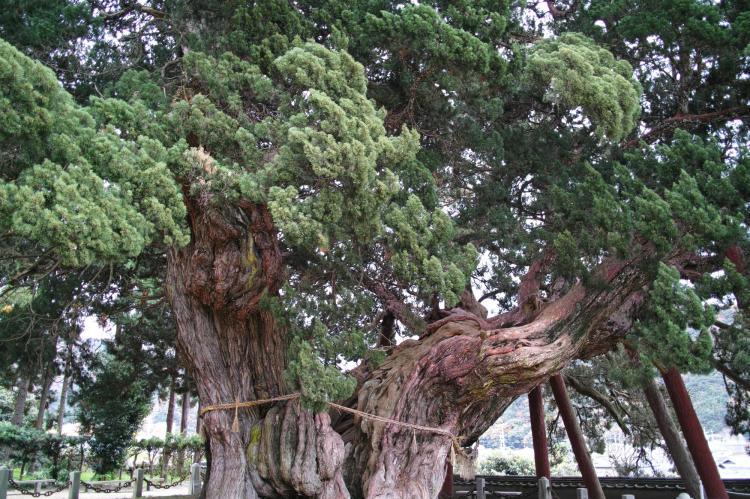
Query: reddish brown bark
(575, 435)
(539, 432)
(458, 377)
(235, 350)
(694, 436)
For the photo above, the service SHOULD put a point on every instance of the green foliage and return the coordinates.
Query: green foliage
(663, 334)
(81, 192)
(112, 421)
(26, 443)
(392, 148)
(572, 71)
(316, 382)
(508, 465)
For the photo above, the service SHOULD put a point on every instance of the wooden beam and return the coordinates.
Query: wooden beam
(539, 432)
(573, 429)
(694, 436)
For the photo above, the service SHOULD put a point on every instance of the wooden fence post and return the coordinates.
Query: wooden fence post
(544, 489)
(195, 479)
(138, 485)
(75, 484)
(582, 493)
(4, 477)
(480, 488)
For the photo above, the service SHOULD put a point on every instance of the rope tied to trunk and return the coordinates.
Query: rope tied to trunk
(458, 457)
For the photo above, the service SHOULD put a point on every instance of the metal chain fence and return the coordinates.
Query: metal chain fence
(33, 493)
(106, 489)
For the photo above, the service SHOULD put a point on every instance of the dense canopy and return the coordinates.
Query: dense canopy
(307, 184)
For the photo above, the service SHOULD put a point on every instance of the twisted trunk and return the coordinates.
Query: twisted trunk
(235, 350)
(462, 377)
(459, 377)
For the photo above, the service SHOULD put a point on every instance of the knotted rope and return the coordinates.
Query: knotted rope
(456, 449)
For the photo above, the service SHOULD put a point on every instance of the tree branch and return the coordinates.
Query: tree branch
(600, 398)
(675, 121)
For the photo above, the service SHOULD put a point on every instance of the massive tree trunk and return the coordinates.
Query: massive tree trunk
(680, 457)
(235, 350)
(459, 377)
(463, 375)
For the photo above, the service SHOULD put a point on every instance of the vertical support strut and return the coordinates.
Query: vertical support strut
(539, 432)
(694, 436)
(575, 436)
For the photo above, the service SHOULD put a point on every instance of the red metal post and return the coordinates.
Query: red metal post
(539, 432)
(694, 436)
(573, 429)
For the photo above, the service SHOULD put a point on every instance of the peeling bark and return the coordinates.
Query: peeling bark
(461, 377)
(235, 350)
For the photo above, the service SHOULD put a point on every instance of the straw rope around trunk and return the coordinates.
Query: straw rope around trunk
(465, 461)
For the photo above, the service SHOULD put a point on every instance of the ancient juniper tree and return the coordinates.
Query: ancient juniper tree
(324, 179)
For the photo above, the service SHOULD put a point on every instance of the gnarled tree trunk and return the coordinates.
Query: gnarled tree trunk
(235, 350)
(462, 376)
(459, 377)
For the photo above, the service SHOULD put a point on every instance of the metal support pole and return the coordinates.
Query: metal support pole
(4, 477)
(694, 436)
(582, 493)
(628, 496)
(138, 485)
(75, 484)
